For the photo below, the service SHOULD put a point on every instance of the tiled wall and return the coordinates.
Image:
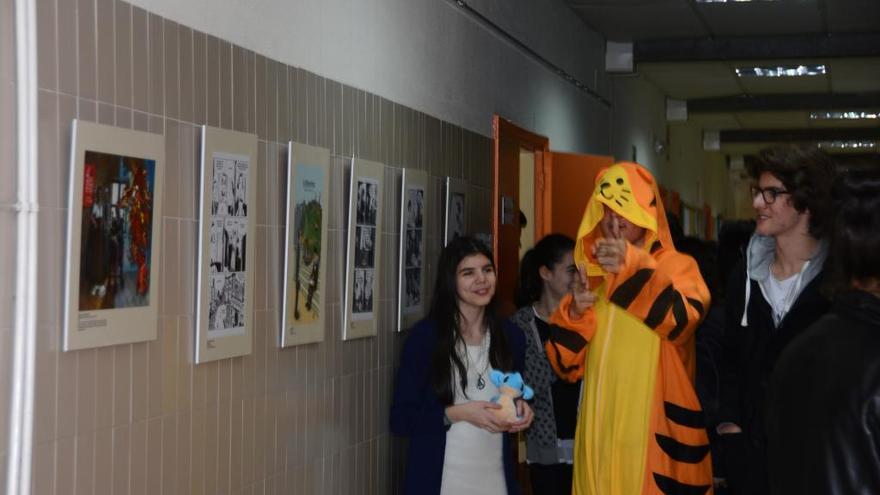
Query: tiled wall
(141, 418)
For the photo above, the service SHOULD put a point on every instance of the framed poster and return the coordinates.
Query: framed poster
(225, 274)
(411, 272)
(305, 248)
(362, 261)
(455, 219)
(113, 236)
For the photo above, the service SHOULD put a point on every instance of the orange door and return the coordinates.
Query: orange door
(570, 179)
(510, 140)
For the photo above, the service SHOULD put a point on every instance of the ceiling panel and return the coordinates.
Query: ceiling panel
(643, 20)
(773, 120)
(717, 121)
(855, 75)
(762, 18)
(692, 79)
(777, 85)
(853, 15)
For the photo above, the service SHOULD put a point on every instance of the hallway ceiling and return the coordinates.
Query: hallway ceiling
(690, 51)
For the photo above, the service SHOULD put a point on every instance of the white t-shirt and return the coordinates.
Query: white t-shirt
(473, 463)
(780, 294)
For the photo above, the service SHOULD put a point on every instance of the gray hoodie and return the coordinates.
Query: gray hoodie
(760, 255)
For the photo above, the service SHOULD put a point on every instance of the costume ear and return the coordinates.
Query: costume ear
(528, 393)
(497, 377)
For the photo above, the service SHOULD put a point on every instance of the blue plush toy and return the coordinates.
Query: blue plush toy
(510, 386)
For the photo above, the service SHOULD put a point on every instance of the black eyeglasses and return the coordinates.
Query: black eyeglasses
(768, 193)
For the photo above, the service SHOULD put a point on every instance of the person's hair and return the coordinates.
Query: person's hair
(855, 233)
(547, 252)
(807, 174)
(446, 314)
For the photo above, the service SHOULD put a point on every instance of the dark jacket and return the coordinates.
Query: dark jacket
(417, 413)
(751, 352)
(824, 421)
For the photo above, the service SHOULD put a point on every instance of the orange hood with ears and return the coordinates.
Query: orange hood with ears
(630, 190)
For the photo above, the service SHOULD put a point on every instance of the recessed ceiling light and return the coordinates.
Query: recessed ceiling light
(848, 145)
(850, 115)
(781, 71)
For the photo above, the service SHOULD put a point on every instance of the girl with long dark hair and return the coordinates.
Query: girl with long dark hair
(547, 273)
(442, 401)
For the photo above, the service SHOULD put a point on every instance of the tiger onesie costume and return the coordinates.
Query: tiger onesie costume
(640, 427)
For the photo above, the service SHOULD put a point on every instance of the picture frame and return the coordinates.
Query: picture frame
(227, 224)
(364, 253)
(455, 209)
(114, 236)
(303, 313)
(411, 267)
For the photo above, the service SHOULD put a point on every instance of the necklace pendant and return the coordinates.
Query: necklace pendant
(481, 384)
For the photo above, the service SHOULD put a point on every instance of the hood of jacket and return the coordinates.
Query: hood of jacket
(630, 190)
(761, 253)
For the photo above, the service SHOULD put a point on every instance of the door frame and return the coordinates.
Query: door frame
(540, 146)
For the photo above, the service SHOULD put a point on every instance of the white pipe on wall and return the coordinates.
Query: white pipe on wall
(21, 414)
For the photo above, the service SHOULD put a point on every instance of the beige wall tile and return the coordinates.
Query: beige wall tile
(200, 78)
(154, 456)
(169, 454)
(121, 460)
(240, 89)
(86, 49)
(213, 82)
(168, 340)
(211, 455)
(43, 469)
(123, 54)
(65, 471)
(184, 453)
(171, 192)
(260, 113)
(154, 374)
(103, 461)
(85, 463)
(186, 67)
(139, 59)
(122, 385)
(172, 78)
(47, 63)
(198, 452)
(139, 383)
(171, 296)
(271, 101)
(224, 52)
(104, 388)
(105, 40)
(85, 392)
(66, 37)
(156, 70)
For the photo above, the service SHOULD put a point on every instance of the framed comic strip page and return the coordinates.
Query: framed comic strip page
(305, 251)
(411, 272)
(455, 216)
(113, 236)
(225, 274)
(362, 263)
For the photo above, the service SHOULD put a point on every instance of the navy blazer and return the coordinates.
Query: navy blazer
(418, 414)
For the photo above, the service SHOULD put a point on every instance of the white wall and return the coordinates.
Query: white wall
(639, 118)
(429, 55)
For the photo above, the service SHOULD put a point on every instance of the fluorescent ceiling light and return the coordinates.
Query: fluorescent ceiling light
(732, 1)
(781, 71)
(848, 145)
(850, 115)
